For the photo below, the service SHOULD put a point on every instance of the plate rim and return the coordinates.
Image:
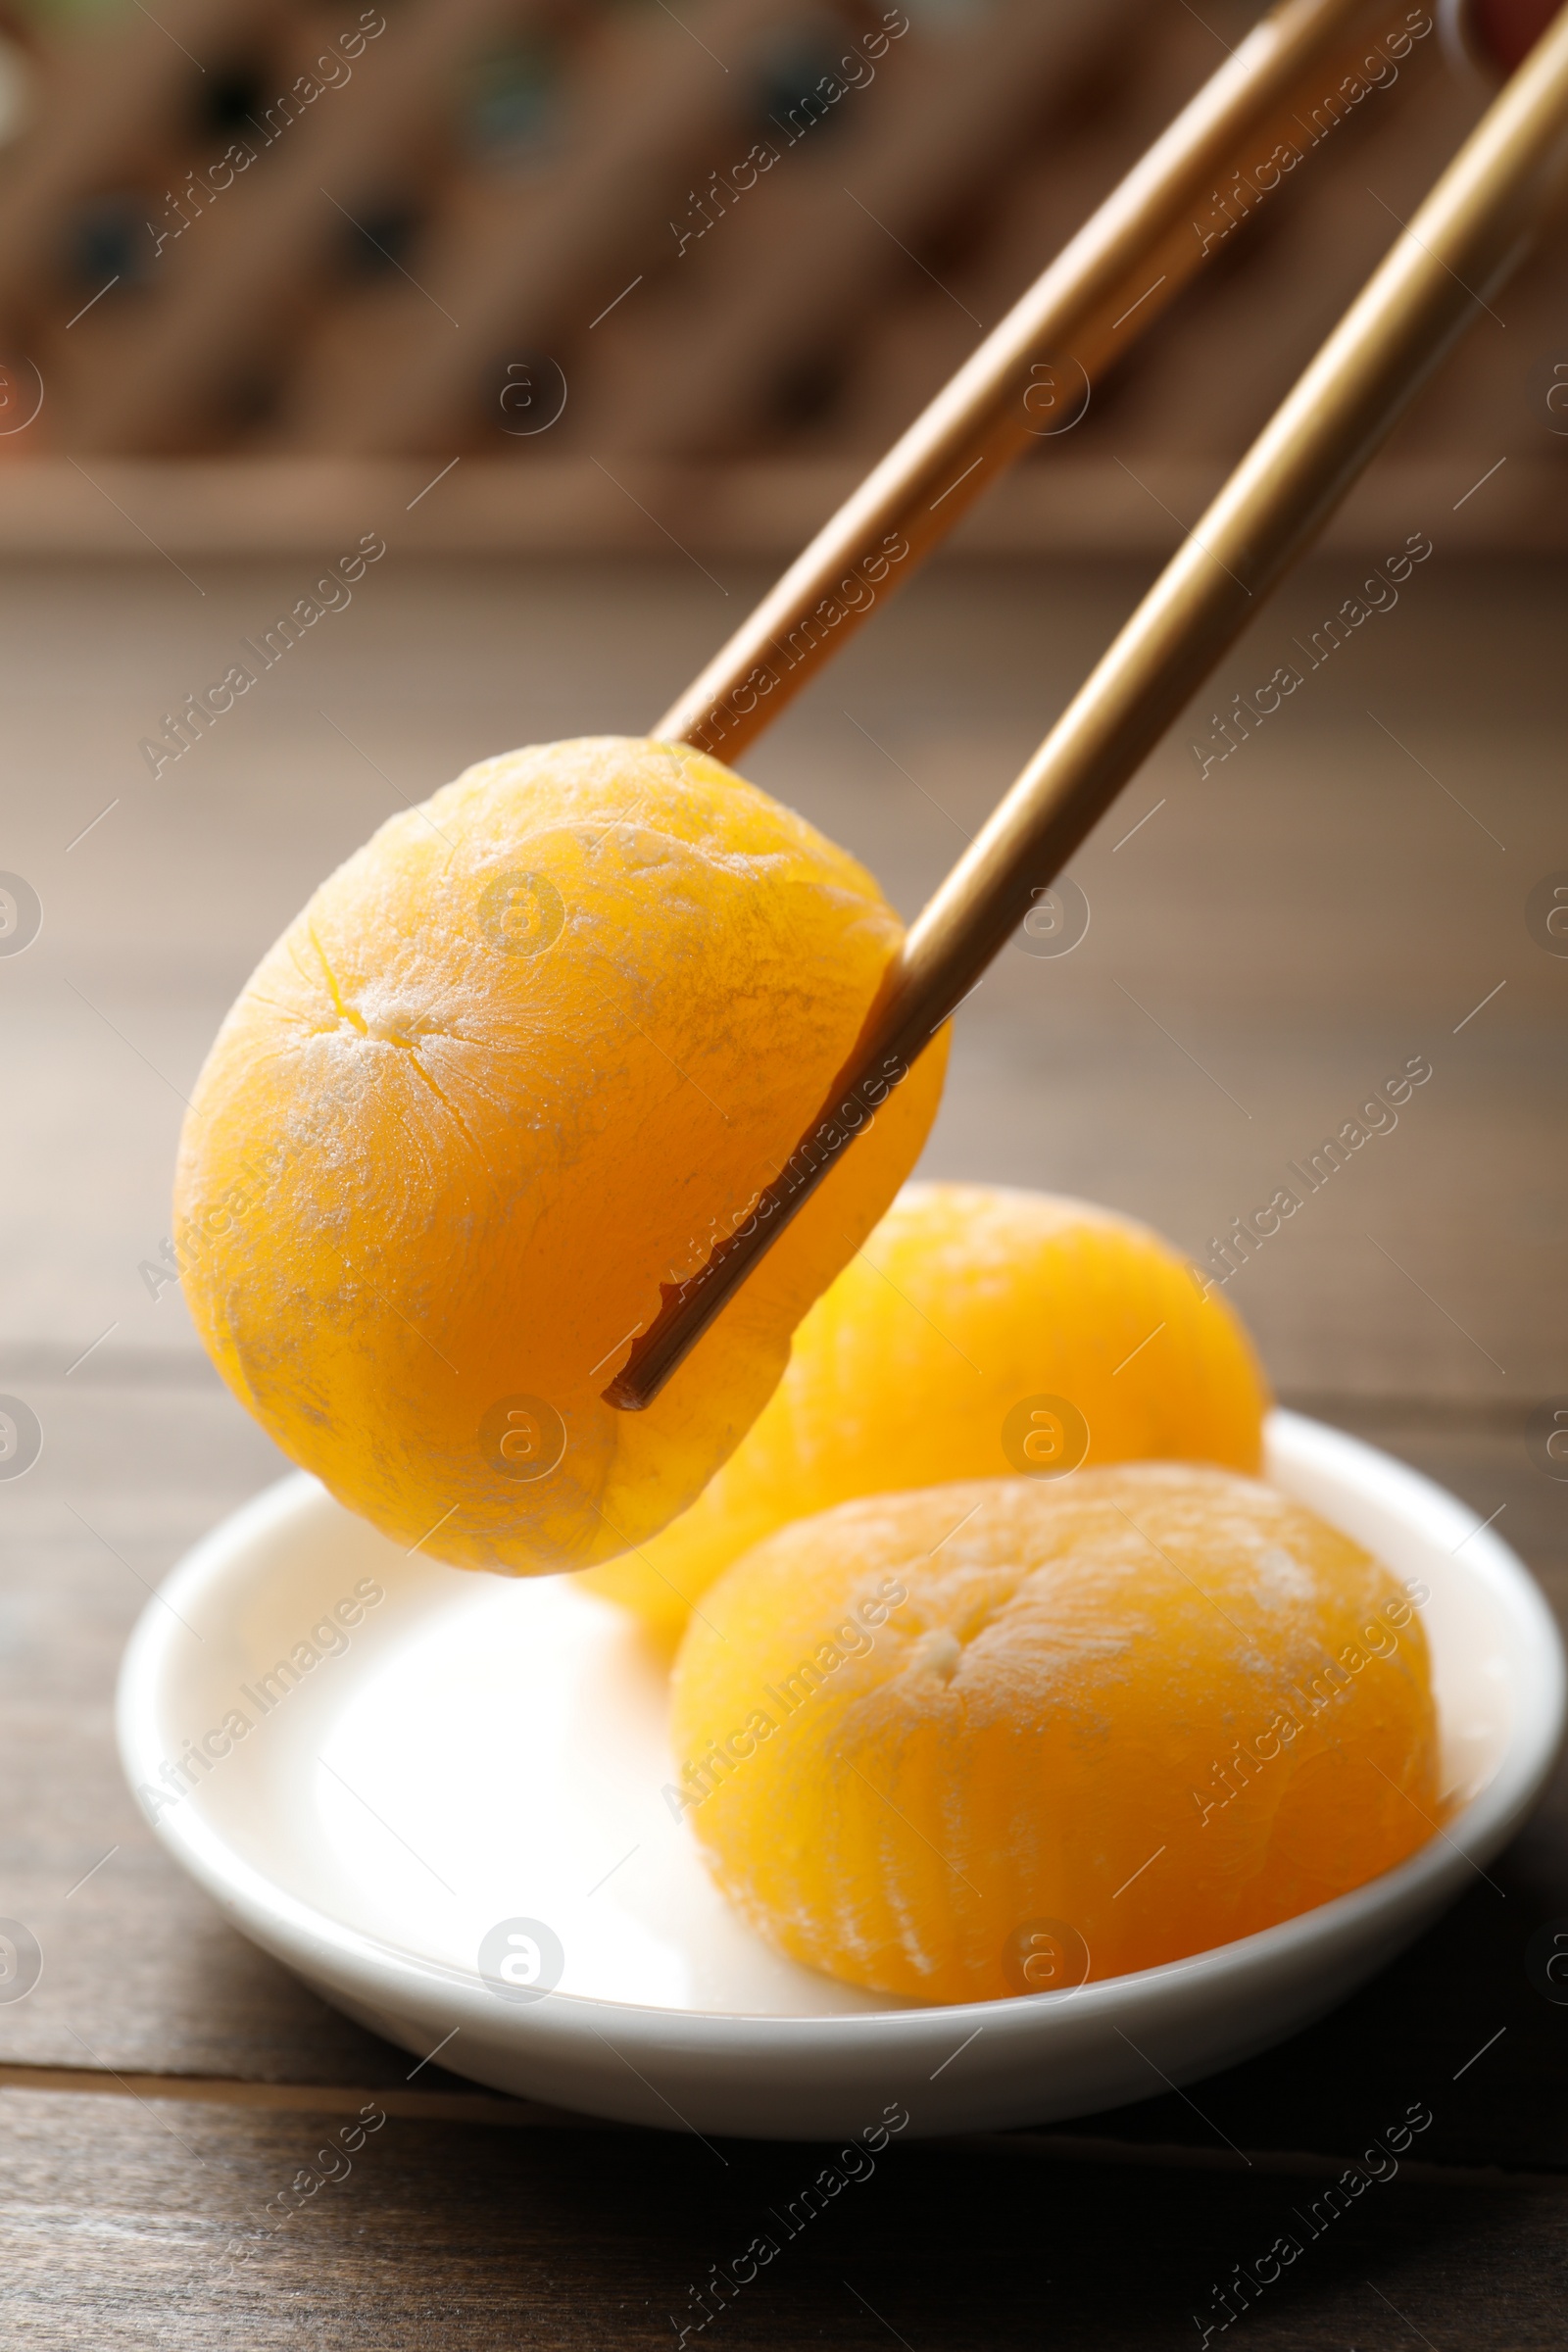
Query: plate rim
(368, 1967)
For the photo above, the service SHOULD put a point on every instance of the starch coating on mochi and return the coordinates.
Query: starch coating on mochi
(1156, 1706)
(519, 1064)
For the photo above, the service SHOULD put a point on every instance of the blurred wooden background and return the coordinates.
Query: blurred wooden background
(262, 264)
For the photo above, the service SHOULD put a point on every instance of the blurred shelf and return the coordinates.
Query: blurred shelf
(245, 507)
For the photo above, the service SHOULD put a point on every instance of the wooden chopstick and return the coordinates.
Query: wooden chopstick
(1468, 236)
(1276, 98)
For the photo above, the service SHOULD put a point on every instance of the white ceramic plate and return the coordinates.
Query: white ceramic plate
(476, 1758)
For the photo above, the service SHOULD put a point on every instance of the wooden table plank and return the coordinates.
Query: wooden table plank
(133, 2223)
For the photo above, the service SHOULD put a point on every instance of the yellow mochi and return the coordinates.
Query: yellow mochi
(947, 1350)
(518, 1062)
(1001, 1737)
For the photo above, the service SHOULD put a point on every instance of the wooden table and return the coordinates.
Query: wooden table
(1341, 892)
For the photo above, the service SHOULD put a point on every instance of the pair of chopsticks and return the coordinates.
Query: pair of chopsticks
(1137, 250)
